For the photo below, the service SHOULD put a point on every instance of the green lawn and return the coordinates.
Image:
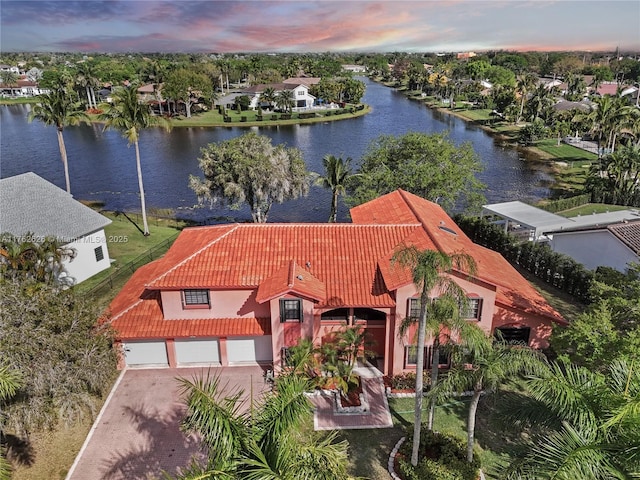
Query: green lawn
(591, 208)
(126, 243)
(574, 156)
(369, 449)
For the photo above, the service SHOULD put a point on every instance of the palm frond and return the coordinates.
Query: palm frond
(218, 419)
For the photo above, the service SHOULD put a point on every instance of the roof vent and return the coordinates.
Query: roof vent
(299, 277)
(448, 230)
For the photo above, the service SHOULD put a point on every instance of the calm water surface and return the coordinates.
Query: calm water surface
(102, 166)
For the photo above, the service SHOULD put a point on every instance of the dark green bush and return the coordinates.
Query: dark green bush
(441, 457)
(274, 117)
(285, 116)
(227, 119)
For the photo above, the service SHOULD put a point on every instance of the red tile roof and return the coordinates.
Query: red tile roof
(344, 257)
(291, 279)
(341, 265)
(144, 320)
(513, 290)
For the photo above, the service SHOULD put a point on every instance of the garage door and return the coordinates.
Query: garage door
(200, 352)
(249, 349)
(145, 353)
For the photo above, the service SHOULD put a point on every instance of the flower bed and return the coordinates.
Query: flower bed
(441, 457)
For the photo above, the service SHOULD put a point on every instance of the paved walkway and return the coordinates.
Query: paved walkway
(137, 434)
(378, 416)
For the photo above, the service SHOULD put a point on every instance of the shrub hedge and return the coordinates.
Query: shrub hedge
(441, 457)
(557, 269)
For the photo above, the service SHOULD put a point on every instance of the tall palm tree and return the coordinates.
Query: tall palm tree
(484, 368)
(285, 100)
(336, 174)
(59, 110)
(87, 81)
(130, 116)
(430, 273)
(588, 423)
(262, 443)
(525, 85)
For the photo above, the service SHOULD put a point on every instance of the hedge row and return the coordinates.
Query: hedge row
(556, 269)
(566, 203)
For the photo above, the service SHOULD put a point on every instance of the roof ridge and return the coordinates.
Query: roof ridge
(418, 217)
(292, 272)
(197, 252)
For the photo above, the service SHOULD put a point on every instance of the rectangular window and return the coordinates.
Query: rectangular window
(411, 357)
(290, 311)
(195, 298)
(473, 309)
(99, 253)
(414, 309)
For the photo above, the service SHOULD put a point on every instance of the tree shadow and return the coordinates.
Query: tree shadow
(19, 450)
(163, 447)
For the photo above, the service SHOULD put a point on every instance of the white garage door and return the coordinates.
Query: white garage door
(202, 352)
(145, 353)
(249, 349)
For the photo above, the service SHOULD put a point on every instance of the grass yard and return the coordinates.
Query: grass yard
(54, 453)
(591, 208)
(574, 156)
(126, 243)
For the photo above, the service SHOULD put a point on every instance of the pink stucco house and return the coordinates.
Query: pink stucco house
(243, 293)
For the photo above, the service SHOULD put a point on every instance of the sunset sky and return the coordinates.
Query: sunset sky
(317, 26)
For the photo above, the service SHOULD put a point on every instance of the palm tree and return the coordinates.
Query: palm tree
(10, 382)
(262, 443)
(130, 116)
(40, 260)
(285, 100)
(87, 81)
(337, 173)
(525, 85)
(588, 420)
(429, 270)
(268, 95)
(59, 110)
(484, 368)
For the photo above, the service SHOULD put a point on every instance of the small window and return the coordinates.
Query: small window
(290, 311)
(473, 309)
(411, 357)
(99, 253)
(414, 309)
(196, 298)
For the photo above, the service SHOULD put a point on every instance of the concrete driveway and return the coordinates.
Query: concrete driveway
(137, 434)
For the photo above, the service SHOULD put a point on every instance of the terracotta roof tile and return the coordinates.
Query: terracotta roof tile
(341, 264)
(513, 289)
(291, 278)
(343, 257)
(145, 320)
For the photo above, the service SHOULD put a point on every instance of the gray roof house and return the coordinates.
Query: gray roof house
(31, 205)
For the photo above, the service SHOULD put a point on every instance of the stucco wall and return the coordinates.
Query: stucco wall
(485, 292)
(540, 328)
(84, 265)
(224, 304)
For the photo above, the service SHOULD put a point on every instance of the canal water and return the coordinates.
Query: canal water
(102, 166)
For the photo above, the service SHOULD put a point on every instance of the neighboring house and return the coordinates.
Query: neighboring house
(22, 88)
(245, 293)
(308, 81)
(615, 245)
(303, 99)
(535, 224)
(354, 68)
(32, 206)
